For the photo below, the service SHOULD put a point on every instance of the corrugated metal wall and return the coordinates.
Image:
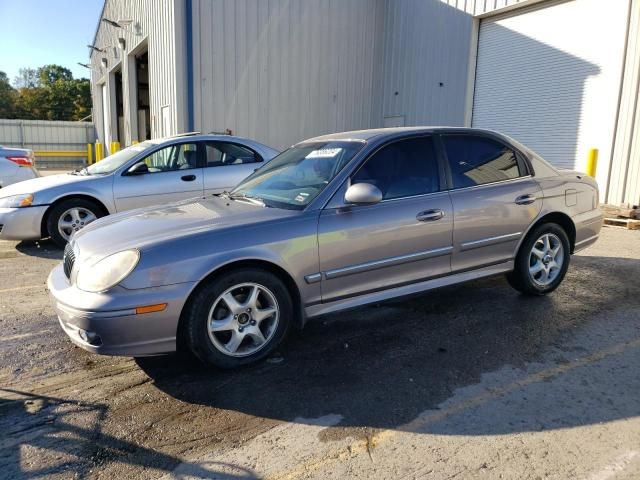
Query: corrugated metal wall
(426, 59)
(555, 92)
(282, 71)
(161, 24)
(624, 184)
(45, 136)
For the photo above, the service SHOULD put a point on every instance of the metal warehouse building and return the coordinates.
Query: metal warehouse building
(560, 76)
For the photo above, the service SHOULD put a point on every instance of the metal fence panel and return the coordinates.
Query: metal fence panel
(50, 140)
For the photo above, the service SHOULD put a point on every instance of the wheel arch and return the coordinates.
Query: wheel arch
(266, 265)
(561, 219)
(58, 201)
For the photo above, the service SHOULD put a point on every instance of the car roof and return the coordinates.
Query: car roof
(219, 137)
(200, 136)
(375, 133)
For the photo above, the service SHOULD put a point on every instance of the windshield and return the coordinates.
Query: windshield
(298, 175)
(116, 160)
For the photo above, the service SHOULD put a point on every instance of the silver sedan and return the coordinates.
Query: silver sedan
(16, 165)
(330, 224)
(150, 173)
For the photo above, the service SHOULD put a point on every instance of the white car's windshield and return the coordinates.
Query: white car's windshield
(298, 175)
(116, 160)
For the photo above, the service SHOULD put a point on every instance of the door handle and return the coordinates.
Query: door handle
(526, 199)
(188, 178)
(430, 215)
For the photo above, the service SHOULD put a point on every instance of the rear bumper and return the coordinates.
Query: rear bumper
(588, 226)
(22, 223)
(21, 174)
(107, 323)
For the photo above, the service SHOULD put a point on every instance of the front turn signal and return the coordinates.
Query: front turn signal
(160, 307)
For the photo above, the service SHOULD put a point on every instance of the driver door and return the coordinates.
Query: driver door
(405, 238)
(174, 174)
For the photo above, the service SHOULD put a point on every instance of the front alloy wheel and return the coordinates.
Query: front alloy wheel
(243, 319)
(73, 220)
(69, 216)
(237, 318)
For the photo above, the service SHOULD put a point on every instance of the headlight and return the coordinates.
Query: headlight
(108, 272)
(16, 201)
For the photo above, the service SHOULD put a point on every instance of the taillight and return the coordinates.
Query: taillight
(23, 161)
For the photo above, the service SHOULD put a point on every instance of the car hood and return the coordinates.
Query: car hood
(40, 184)
(148, 227)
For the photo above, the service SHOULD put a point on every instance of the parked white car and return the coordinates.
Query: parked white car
(153, 172)
(16, 165)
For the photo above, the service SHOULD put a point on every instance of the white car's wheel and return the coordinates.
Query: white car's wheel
(69, 217)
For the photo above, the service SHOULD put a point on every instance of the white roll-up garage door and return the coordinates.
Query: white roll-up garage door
(550, 78)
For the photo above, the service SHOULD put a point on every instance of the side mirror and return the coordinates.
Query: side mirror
(138, 169)
(363, 194)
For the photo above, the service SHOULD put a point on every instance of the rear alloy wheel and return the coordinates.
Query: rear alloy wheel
(238, 318)
(542, 260)
(69, 217)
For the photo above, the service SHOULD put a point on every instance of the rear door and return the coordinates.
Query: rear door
(174, 174)
(494, 199)
(226, 164)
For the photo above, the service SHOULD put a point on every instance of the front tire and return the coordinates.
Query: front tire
(71, 216)
(542, 261)
(238, 318)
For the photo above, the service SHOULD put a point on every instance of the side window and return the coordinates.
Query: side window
(402, 169)
(219, 154)
(174, 157)
(476, 160)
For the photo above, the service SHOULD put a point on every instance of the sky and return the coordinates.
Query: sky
(34, 33)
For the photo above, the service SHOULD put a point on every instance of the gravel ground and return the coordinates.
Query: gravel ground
(472, 381)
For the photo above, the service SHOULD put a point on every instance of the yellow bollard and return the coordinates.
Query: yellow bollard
(592, 162)
(99, 152)
(89, 154)
(115, 146)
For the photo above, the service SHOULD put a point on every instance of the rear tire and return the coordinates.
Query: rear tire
(70, 216)
(542, 261)
(238, 318)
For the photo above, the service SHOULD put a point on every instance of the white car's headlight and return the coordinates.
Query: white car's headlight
(108, 272)
(17, 201)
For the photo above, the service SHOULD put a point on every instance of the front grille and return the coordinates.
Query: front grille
(68, 259)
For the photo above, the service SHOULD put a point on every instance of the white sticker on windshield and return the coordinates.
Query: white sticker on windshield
(324, 153)
(301, 197)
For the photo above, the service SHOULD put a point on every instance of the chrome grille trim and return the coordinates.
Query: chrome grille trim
(68, 260)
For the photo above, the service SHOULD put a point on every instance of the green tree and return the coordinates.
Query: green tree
(82, 102)
(7, 97)
(27, 78)
(32, 104)
(48, 93)
(50, 74)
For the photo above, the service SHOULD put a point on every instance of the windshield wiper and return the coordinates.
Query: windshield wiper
(80, 171)
(224, 194)
(248, 198)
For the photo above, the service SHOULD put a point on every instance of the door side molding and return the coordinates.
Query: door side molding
(387, 262)
(484, 242)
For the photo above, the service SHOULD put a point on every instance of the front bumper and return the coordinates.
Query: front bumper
(107, 324)
(22, 223)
